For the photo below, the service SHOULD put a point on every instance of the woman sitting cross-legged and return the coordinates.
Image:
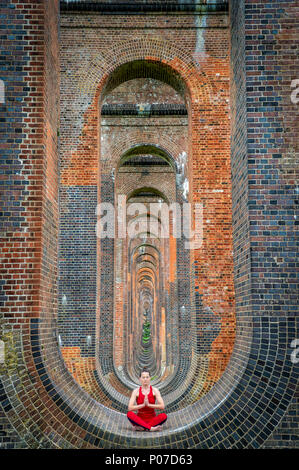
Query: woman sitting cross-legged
(143, 400)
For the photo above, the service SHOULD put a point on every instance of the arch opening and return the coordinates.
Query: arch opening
(146, 158)
(148, 174)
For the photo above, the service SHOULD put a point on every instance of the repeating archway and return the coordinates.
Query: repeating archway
(201, 92)
(153, 68)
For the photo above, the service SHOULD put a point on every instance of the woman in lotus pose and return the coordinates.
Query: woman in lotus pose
(145, 400)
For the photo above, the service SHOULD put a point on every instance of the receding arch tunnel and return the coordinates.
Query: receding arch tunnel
(141, 335)
(148, 178)
(147, 308)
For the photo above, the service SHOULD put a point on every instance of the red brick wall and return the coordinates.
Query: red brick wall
(254, 405)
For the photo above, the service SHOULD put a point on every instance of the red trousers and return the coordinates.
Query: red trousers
(136, 421)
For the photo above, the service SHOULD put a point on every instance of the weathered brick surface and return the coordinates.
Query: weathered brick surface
(201, 56)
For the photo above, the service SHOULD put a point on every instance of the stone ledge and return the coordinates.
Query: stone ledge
(145, 110)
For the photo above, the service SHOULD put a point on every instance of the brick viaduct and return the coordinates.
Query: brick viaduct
(109, 105)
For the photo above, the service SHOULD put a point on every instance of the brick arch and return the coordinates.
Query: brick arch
(149, 245)
(152, 188)
(148, 217)
(43, 403)
(146, 263)
(147, 148)
(172, 148)
(199, 91)
(102, 65)
(134, 186)
(83, 167)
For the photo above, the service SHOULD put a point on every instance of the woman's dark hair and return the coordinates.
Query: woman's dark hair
(144, 370)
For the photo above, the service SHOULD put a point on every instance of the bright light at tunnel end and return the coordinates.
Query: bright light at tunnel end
(154, 220)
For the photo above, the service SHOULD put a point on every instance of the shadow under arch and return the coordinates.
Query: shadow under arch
(148, 149)
(185, 71)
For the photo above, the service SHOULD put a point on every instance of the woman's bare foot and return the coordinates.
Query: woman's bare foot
(156, 428)
(137, 428)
